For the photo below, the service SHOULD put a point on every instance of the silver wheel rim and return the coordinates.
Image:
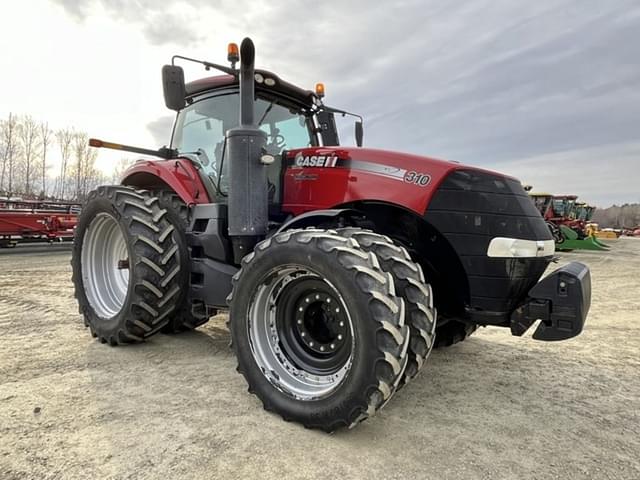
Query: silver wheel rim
(267, 347)
(105, 274)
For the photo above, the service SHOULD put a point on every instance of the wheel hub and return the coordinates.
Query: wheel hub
(105, 266)
(301, 333)
(320, 323)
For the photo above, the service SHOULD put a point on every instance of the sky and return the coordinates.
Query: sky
(546, 91)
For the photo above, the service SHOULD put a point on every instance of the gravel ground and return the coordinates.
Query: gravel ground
(492, 407)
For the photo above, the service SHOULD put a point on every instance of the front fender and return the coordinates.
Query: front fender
(318, 217)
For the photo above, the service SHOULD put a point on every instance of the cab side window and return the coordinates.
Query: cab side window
(201, 127)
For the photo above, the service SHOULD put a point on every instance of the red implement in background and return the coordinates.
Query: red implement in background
(33, 221)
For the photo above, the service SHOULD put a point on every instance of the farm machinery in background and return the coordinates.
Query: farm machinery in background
(569, 221)
(26, 221)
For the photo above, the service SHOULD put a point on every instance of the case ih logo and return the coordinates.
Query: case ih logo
(316, 160)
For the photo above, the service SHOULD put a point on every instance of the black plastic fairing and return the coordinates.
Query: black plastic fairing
(472, 207)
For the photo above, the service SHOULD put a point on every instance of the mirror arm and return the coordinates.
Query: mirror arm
(207, 65)
(342, 112)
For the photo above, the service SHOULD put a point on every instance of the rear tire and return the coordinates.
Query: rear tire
(411, 287)
(178, 213)
(126, 267)
(329, 378)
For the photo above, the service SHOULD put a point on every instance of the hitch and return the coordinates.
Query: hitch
(560, 301)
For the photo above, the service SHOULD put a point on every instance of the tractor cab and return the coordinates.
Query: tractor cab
(542, 202)
(581, 211)
(212, 110)
(564, 206)
(291, 118)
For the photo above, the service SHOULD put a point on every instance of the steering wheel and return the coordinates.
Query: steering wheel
(278, 140)
(203, 157)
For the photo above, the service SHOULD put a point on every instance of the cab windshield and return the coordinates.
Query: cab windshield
(200, 129)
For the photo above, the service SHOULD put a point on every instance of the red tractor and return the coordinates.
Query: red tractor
(341, 266)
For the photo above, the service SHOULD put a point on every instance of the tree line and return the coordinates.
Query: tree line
(26, 170)
(623, 216)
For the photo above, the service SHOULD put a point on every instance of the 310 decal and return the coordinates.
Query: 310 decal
(417, 178)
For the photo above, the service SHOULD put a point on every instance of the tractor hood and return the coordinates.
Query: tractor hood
(354, 174)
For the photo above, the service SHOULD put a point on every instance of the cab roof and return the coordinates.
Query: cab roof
(565, 197)
(281, 86)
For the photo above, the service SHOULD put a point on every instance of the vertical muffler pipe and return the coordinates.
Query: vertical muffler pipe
(248, 192)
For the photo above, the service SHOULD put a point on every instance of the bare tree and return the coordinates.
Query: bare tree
(90, 175)
(9, 139)
(623, 216)
(46, 138)
(65, 139)
(120, 168)
(80, 147)
(29, 134)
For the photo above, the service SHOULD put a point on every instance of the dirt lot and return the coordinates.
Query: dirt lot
(493, 407)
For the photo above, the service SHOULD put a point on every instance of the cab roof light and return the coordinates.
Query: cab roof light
(320, 89)
(233, 54)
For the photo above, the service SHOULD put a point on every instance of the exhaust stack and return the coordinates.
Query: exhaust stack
(248, 195)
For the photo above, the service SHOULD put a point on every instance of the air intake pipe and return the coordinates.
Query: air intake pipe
(248, 193)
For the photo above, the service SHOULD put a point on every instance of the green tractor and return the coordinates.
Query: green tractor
(567, 220)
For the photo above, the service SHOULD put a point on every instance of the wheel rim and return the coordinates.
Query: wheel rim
(105, 266)
(301, 333)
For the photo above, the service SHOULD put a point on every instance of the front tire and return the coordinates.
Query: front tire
(317, 329)
(126, 267)
(411, 286)
(452, 332)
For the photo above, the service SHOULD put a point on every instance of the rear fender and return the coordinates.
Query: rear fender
(178, 175)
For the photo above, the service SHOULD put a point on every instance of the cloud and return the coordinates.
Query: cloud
(162, 23)
(485, 82)
(160, 129)
(586, 172)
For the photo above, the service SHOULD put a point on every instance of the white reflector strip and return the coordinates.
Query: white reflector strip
(501, 247)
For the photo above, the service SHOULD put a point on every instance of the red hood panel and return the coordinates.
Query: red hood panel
(326, 177)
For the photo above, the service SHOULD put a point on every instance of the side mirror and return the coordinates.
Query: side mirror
(359, 133)
(173, 87)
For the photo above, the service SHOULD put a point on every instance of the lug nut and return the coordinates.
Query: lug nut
(301, 309)
(341, 323)
(333, 346)
(307, 300)
(322, 349)
(317, 297)
(299, 321)
(311, 344)
(337, 310)
(302, 334)
(340, 337)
